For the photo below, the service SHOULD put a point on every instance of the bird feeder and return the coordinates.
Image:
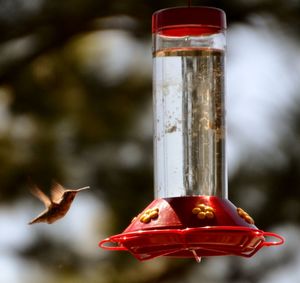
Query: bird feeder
(191, 215)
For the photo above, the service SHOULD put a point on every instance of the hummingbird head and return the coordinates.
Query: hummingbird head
(70, 195)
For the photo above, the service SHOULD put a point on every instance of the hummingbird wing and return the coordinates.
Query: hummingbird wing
(57, 192)
(41, 196)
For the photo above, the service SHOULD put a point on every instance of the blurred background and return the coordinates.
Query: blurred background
(76, 107)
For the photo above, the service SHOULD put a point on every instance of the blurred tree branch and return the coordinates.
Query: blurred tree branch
(56, 22)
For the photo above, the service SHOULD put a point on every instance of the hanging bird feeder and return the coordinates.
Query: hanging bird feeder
(191, 215)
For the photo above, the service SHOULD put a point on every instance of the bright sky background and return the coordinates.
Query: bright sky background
(263, 68)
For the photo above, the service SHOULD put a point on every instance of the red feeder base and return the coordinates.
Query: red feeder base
(194, 226)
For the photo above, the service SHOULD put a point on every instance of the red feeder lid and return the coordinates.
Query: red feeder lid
(182, 21)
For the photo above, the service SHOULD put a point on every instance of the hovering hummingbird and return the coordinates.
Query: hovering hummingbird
(57, 206)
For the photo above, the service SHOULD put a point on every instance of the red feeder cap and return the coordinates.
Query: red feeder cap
(182, 21)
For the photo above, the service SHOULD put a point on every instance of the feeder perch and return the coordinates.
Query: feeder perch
(191, 215)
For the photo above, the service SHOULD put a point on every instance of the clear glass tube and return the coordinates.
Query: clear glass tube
(189, 114)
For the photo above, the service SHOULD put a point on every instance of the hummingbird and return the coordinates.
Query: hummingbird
(57, 206)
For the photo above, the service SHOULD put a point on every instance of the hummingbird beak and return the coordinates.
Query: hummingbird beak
(84, 188)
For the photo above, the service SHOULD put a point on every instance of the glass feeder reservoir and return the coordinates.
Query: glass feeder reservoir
(189, 141)
(191, 215)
